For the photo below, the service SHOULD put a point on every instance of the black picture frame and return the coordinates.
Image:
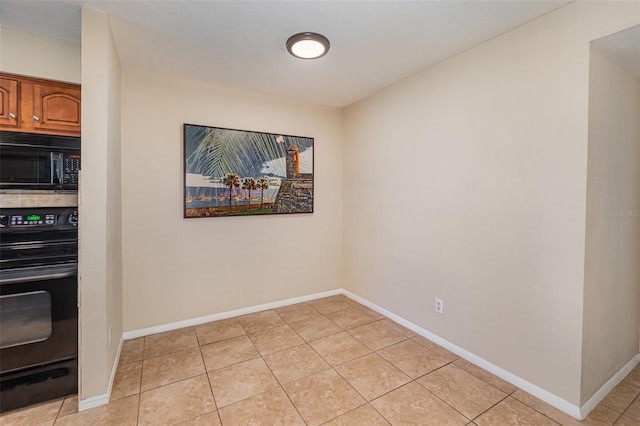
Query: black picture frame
(230, 172)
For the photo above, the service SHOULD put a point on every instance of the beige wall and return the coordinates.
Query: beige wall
(37, 55)
(178, 269)
(100, 231)
(467, 181)
(610, 334)
(114, 278)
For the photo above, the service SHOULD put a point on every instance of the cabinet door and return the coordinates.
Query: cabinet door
(9, 102)
(56, 109)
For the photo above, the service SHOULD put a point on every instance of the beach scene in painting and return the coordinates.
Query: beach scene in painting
(234, 172)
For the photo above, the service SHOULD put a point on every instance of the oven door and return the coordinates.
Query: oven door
(38, 334)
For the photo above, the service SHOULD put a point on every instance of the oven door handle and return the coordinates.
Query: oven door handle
(38, 274)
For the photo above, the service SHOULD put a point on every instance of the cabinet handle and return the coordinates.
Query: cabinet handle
(12, 115)
(36, 118)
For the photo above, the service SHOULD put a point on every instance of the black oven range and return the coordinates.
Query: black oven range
(38, 305)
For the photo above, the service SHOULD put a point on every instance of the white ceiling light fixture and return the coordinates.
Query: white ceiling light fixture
(308, 45)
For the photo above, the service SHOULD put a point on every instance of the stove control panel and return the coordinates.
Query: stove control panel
(32, 220)
(38, 218)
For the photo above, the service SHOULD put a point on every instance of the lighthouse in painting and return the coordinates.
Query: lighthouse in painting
(296, 191)
(293, 161)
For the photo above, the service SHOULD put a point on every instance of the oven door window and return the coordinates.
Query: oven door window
(24, 318)
(25, 167)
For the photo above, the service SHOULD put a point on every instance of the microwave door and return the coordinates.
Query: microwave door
(43, 162)
(56, 168)
(23, 167)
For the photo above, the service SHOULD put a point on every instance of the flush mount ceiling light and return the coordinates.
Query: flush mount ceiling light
(308, 45)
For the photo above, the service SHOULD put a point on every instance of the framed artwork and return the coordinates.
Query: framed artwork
(231, 172)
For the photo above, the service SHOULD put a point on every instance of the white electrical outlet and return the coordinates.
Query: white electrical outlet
(439, 306)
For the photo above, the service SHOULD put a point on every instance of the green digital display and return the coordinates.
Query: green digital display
(33, 217)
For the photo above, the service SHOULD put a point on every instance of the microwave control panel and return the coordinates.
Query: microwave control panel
(71, 168)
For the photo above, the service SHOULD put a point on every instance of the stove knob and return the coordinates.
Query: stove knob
(73, 218)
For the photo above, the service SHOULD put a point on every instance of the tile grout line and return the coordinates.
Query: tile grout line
(637, 398)
(445, 402)
(488, 409)
(344, 414)
(204, 366)
(213, 395)
(285, 392)
(261, 356)
(622, 414)
(537, 411)
(352, 387)
(331, 367)
(55, 419)
(486, 381)
(139, 404)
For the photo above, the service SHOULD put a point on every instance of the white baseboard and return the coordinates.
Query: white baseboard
(546, 396)
(608, 387)
(98, 400)
(94, 401)
(224, 315)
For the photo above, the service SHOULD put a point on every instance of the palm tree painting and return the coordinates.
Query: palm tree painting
(249, 183)
(278, 165)
(262, 184)
(231, 180)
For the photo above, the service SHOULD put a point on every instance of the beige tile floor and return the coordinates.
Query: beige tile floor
(329, 361)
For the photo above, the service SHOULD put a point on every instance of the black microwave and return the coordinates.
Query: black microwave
(34, 161)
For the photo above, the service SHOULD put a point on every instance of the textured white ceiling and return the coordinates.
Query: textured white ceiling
(241, 44)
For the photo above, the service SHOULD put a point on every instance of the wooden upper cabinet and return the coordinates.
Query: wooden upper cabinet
(39, 106)
(56, 108)
(9, 102)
